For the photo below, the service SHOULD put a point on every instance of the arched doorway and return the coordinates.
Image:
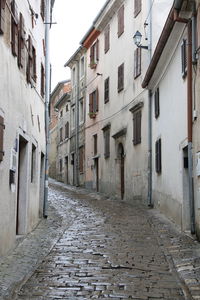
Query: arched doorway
(121, 158)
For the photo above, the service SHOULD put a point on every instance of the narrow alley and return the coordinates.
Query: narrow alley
(95, 248)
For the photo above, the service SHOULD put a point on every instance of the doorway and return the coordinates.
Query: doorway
(22, 187)
(121, 158)
(186, 201)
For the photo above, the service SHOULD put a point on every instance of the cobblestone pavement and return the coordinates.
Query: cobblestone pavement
(95, 248)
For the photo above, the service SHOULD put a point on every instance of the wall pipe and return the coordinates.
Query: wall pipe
(149, 196)
(77, 128)
(47, 96)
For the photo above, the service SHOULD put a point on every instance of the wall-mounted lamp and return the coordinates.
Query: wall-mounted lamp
(137, 40)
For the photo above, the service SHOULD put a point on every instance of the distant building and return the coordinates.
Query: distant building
(58, 96)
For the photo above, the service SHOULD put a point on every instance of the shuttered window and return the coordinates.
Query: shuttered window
(158, 157)
(2, 16)
(137, 62)
(120, 78)
(60, 165)
(81, 159)
(137, 7)
(61, 135)
(184, 58)
(107, 143)
(21, 43)
(95, 144)
(120, 20)
(157, 103)
(42, 9)
(67, 130)
(106, 90)
(94, 54)
(94, 102)
(14, 28)
(137, 115)
(2, 127)
(42, 85)
(107, 38)
(31, 64)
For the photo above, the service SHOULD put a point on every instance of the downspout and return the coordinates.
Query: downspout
(190, 34)
(77, 128)
(149, 197)
(47, 95)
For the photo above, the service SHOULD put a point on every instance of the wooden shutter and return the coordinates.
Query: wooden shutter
(21, 42)
(2, 127)
(107, 38)
(120, 20)
(137, 62)
(120, 77)
(137, 127)
(42, 9)
(184, 58)
(42, 88)
(137, 7)
(81, 159)
(158, 156)
(90, 103)
(97, 99)
(14, 28)
(157, 103)
(34, 69)
(67, 130)
(106, 90)
(30, 60)
(107, 143)
(97, 50)
(92, 59)
(2, 16)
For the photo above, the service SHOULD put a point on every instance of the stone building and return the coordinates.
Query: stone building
(59, 91)
(22, 113)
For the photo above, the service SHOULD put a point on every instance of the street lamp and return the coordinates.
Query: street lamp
(137, 40)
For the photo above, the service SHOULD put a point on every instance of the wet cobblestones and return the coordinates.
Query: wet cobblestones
(105, 249)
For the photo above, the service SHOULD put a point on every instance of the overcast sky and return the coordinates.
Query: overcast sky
(73, 18)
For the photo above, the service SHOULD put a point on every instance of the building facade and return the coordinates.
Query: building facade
(22, 113)
(61, 89)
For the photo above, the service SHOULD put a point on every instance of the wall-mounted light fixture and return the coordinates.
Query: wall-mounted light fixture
(137, 40)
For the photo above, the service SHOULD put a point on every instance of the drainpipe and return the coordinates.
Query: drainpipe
(149, 197)
(47, 95)
(77, 128)
(190, 35)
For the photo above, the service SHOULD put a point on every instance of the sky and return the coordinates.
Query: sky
(73, 18)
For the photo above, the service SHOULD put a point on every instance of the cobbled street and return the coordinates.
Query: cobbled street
(91, 247)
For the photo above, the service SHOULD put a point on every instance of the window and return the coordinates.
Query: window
(81, 159)
(67, 130)
(42, 9)
(184, 57)
(2, 15)
(82, 67)
(157, 103)
(137, 127)
(107, 142)
(107, 38)
(106, 90)
(61, 113)
(61, 135)
(31, 65)
(73, 117)
(93, 103)
(67, 108)
(2, 127)
(14, 28)
(94, 54)
(95, 143)
(81, 112)
(42, 84)
(60, 165)
(21, 42)
(120, 78)
(137, 62)
(137, 7)
(73, 76)
(158, 156)
(120, 20)
(33, 163)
